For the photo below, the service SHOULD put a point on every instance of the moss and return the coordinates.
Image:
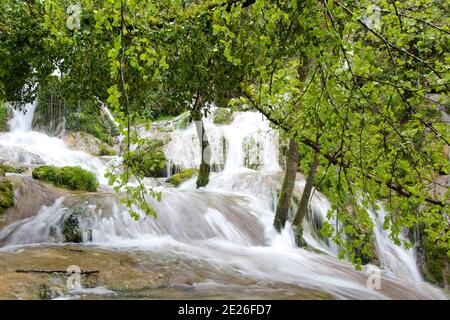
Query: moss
(71, 230)
(10, 169)
(223, 116)
(106, 150)
(73, 178)
(203, 176)
(6, 195)
(149, 160)
(181, 177)
(3, 118)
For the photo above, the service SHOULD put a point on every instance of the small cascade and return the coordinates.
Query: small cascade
(22, 120)
(247, 142)
(23, 145)
(397, 259)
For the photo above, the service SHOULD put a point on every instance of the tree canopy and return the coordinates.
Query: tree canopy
(358, 84)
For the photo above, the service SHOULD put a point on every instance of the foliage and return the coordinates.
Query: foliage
(6, 195)
(182, 176)
(3, 118)
(223, 116)
(73, 178)
(149, 158)
(352, 90)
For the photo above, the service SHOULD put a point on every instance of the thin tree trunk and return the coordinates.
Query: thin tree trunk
(284, 200)
(205, 166)
(304, 203)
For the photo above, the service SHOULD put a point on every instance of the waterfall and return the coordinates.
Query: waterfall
(227, 224)
(23, 145)
(22, 120)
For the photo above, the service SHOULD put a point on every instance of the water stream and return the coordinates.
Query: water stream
(227, 224)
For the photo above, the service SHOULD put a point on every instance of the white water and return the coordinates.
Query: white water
(228, 223)
(248, 138)
(23, 145)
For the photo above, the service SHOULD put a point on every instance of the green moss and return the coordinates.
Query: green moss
(6, 195)
(3, 118)
(181, 177)
(106, 150)
(73, 178)
(203, 176)
(223, 116)
(71, 230)
(149, 160)
(10, 169)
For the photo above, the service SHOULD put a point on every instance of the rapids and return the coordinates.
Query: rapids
(225, 226)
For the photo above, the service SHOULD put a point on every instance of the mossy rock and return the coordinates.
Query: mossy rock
(181, 177)
(223, 116)
(72, 178)
(105, 150)
(71, 230)
(6, 195)
(5, 115)
(4, 168)
(149, 160)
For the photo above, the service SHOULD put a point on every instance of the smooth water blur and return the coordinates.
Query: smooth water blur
(227, 224)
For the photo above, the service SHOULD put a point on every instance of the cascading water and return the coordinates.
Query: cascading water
(23, 145)
(227, 224)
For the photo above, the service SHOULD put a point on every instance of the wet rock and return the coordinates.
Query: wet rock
(82, 141)
(70, 228)
(181, 177)
(30, 196)
(6, 195)
(133, 274)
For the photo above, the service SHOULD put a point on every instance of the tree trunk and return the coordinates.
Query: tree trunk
(304, 203)
(284, 201)
(205, 166)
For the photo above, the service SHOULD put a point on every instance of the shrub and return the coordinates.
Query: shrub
(149, 160)
(73, 178)
(223, 116)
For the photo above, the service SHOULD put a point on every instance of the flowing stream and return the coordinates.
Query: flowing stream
(227, 224)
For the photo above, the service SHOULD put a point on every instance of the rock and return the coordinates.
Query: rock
(6, 195)
(11, 167)
(133, 274)
(82, 141)
(181, 177)
(30, 196)
(70, 228)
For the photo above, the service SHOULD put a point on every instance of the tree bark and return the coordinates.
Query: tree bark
(284, 201)
(304, 203)
(205, 166)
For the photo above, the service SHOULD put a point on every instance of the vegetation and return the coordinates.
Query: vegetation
(6, 195)
(182, 176)
(72, 178)
(3, 118)
(223, 116)
(348, 83)
(149, 159)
